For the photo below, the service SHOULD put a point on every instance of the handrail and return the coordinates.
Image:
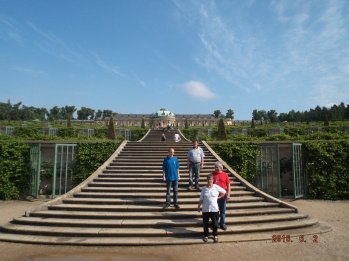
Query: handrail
(246, 183)
(145, 135)
(183, 135)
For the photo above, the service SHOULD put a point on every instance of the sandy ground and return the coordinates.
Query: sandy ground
(329, 246)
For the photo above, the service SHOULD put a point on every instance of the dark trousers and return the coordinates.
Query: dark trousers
(214, 216)
(174, 185)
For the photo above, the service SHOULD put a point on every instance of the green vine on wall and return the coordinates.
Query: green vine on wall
(327, 169)
(240, 156)
(14, 170)
(91, 156)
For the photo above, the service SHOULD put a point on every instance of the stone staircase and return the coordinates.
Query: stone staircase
(122, 203)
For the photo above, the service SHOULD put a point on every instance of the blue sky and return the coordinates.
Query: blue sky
(136, 56)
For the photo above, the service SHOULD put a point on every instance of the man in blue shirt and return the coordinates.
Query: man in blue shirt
(170, 168)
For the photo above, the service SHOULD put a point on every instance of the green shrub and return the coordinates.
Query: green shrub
(25, 132)
(137, 134)
(91, 156)
(101, 133)
(240, 156)
(327, 169)
(238, 137)
(221, 133)
(67, 132)
(257, 132)
(14, 169)
(111, 129)
(326, 165)
(324, 136)
(294, 132)
(276, 137)
(196, 133)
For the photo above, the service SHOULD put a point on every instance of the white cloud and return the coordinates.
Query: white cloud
(198, 90)
(110, 68)
(326, 94)
(55, 46)
(106, 66)
(142, 83)
(222, 51)
(345, 69)
(9, 29)
(302, 46)
(29, 71)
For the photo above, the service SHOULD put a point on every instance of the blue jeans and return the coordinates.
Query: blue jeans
(222, 204)
(194, 174)
(174, 185)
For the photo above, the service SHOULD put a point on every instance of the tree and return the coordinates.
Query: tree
(55, 113)
(15, 111)
(255, 115)
(40, 113)
(272, 116)
(221, 133)
(142, 124)
(69, 122)
(69, 110)
(326, 122)
(263, 116)
(253, 125)
(27, 113)
(186, 124)
(217, 113)
(107, 113)
(111, 129)
(259, 115)
(346, 114)
(98, 115)
(5, 109)
(230, 114)
(85, 113)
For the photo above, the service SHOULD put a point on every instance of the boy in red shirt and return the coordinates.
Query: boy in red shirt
(221, 179)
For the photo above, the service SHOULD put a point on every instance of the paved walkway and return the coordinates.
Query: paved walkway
(329, 246)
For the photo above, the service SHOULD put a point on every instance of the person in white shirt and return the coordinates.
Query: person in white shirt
(195, 162)
(177, 138)
(210, 210)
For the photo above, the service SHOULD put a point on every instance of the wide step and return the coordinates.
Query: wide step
(154, 215)
(151, 208)
(149, 232)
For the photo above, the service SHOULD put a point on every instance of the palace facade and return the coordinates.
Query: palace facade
(164, 118)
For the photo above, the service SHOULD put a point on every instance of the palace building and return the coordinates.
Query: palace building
(164, 118)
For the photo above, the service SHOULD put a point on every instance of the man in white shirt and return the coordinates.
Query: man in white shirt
(195, 161)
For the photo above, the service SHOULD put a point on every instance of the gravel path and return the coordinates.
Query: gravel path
(329, 246)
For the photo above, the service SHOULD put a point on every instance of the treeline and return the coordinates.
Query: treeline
(22, 112)
(335, 113)
(19, 111)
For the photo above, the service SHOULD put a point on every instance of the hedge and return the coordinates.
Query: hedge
(325, 164)
(91, 156)
(240, 156)
(14, 170)
(15, 166)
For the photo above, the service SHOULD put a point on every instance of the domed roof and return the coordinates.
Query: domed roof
(163, 113)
